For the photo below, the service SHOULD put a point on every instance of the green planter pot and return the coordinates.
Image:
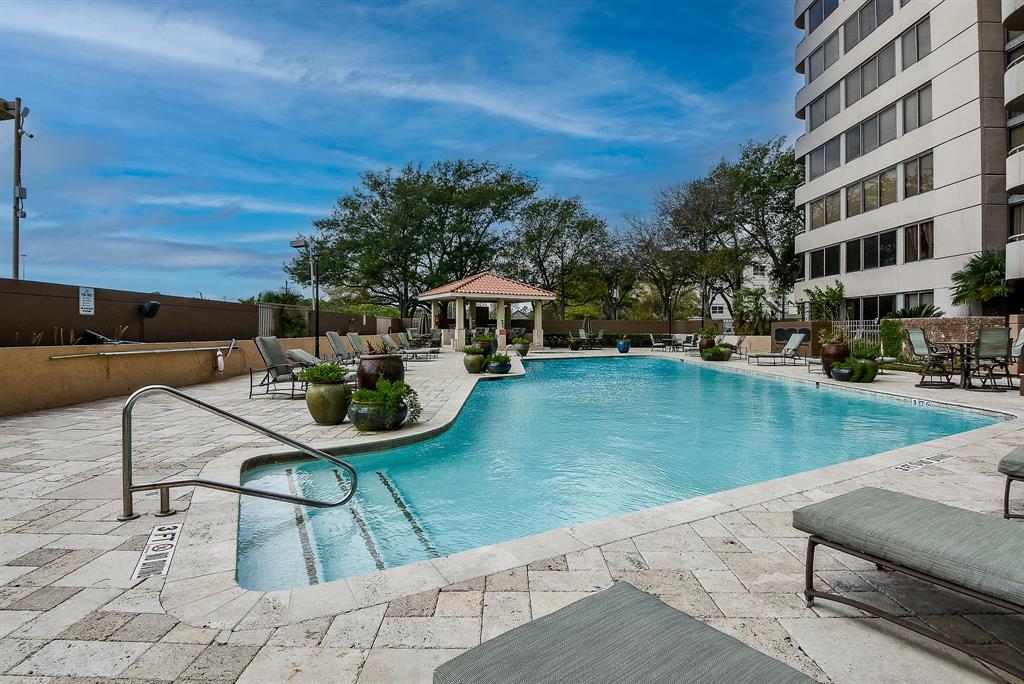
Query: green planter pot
(499, 368)
(474, 363)
(374, 418)
(328, 402)
(522, 349)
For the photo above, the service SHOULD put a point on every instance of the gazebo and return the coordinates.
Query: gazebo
(487, 287)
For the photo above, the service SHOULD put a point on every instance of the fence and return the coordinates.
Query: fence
(865, 331)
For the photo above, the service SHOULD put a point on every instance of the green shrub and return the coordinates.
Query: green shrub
(484, 338)
(388, 395)
(890, 331)
(863, 350)
(862, 371)
(323, 373)
(708, 333)
(716, 353)
(726, 345)
(497, 358)
(473, 351)
(520, 340)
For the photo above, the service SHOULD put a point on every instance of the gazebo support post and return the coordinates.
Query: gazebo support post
(499, 321)
(538, 323)
(435, 313)
(460, 322)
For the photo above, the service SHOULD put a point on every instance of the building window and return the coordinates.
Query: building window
(874, 251)
(870, 308)
(759, 270)
(825, 262)
(717, 309)
(864, 21)
(917, 108)
(825, 210)
(919, 242)
(824, 57)
(819, 11)
(871, 133)
(825, 107)
(871, 74)
(871, 193)
(917, 43)
(853, 256)
(1016, 137)
(1016, 219)
(923, 298)
(825, 158)
(918, 175)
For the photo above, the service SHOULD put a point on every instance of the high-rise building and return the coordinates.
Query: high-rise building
(910, 169)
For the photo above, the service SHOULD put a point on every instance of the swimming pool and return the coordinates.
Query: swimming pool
(575, 440)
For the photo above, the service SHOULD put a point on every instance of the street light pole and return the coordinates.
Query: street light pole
(314, 276)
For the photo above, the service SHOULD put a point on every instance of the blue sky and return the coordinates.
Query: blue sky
(179, 146)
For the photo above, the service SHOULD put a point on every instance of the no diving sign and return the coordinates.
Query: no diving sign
(156, 557)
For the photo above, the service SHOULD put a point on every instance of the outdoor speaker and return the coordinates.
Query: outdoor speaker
(150, 309)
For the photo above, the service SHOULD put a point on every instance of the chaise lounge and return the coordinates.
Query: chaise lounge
(967, 552)
(1012, 466)
(617, 635)
(278, 373)
(788, 353)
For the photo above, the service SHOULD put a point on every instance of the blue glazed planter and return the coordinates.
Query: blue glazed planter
(499, 368)
(842, 374)
(623, 347)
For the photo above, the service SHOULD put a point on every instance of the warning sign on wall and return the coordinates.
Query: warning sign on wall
(86, 301)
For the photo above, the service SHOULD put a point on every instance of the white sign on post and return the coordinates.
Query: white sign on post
(86, 301)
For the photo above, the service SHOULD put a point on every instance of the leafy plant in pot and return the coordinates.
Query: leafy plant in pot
(707, 338)
(833, 349)
(868, 354)
(854, 370)
(622, 344)
(521, 345)
(378, 364)
(487, 343)
(474, 359)
(717, 353)
(384, 408)
(498, 364)
(327, 396)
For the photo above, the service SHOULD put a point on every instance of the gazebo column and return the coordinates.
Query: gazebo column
(460, 322)
(538, 323)
(435, 311)
(499, 321)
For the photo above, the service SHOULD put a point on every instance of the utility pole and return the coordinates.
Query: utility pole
(14, 110)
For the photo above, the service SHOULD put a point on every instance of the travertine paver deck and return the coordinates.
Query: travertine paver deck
(70, 613)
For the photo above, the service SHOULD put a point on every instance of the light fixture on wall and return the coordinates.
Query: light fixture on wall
(147, 310)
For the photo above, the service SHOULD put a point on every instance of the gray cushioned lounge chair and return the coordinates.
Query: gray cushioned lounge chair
(1012, 466)
(619, 635)
(967, 552)
(788, 353)
(357, 343)
(406, 344)
(341, 353)
(301, 357)
(278, 376)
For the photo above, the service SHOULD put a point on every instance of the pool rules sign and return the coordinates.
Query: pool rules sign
(156, 557)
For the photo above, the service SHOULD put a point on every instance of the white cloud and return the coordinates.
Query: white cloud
(249, 204)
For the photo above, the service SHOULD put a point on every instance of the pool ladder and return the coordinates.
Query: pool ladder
(128, 487)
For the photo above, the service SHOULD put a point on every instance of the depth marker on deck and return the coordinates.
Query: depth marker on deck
(156, 556)
(922, 462)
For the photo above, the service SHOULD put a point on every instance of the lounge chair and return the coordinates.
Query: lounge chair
(617, 635)
(788, 353)
(934, 361)
(967, 552)
(406, 345)
(278, 372)
(435, 339)
(736, 341)
(1012, 466)
(406, 354)
(341, 354)
(357, 343)
(655, 344)
(301, 357)
(991, 353)
(597, 342)
(813, 363)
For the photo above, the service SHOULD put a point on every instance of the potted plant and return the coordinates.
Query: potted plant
(488, 343)
(841, 372)
(574, 343)
(867, 353)
(384, 408)
(327, 396)
(498, 364)
(707, 338)
(522, 346)
(833, 348)
(717, 353)
(622, 344)
(379, 364)
(474, 359)
(854, 370)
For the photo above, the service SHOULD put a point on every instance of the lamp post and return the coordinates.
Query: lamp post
(314, 276)
(14, 110)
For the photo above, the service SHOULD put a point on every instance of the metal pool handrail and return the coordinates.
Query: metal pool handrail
(128, 487)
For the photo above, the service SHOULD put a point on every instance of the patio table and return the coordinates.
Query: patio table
(961, 350)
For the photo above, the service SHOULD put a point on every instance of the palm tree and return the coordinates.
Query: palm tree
(982, 280)
(919, 311)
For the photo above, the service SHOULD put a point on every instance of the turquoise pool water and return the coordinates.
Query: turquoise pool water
(573, 441)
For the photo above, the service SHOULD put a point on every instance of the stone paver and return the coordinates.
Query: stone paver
(69, 609)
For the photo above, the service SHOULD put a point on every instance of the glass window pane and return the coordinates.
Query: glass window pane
(832, 154)
(924, 38)
(853, 143)
(853, 309)
(871, 193)
(870, 308)
(832, 102)
(831, 49)
(1017, 212)
(925, 106)
(817, 162)
(869, 134)
(852, 256)
(867, 19)
(927, 297)
(817, 214)
(886, 305)
(887, 125)
(830, 6)
(887, 249)
(909, 244)
(832, 260)
(816, 14)
(911, 178)
(817, 112)
(887, 63)
(851, 33)
(853, 200)
(910, 120)
(817, 61)
(818, 263)
(852, 88)
(883, 9)
(909, 48)
(832, 208)
(888, 187)
(871, 252)
(869, 75)
(927, 175)
(1016, 137)
(926, 236)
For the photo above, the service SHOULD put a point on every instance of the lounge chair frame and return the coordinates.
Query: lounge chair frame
(934, 362)
(269, 382)
(784, 356)
(810, 593)
(1006, 498)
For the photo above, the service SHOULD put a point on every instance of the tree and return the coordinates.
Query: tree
(293, 323)
(653, 247)
(553, 243)
(753, 311)
(983, 280)
(827, 304)
(614, 276)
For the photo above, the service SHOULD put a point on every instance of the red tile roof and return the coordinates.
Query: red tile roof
(488, 284)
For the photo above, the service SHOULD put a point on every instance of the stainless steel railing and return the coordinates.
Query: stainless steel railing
(129, 487)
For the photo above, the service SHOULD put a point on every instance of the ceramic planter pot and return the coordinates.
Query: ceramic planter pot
(328, 402)
(574, 345)
(374, 367)
(489, 347)
(474, 363)
(375, 418)
(522, 349)
(842, 374)
(832, 353)
(705, 344)
(873, 367)
(716, 355)
(622, 346)
(499, 368)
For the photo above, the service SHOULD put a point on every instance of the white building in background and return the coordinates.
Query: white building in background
(905, 148)
(754, 277)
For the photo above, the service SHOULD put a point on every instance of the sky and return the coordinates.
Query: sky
(180, 146)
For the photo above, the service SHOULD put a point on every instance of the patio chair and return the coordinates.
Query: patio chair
(1012, 466)
(788, 353)
(408, 345)
(736, 341)
(598, 340)
(655, 344)
(357, 343)
(301, 357)
(935, 362)
(617, 635)
(813, 363)
(435, 339)
(970, 553)
(278, 373)
(991, 353)
(406, 354)
(341, 354)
